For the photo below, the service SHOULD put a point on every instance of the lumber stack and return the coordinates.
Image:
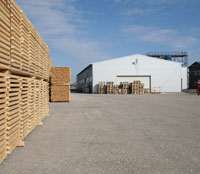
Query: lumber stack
(3, 116)
(116, 89)
(124, 88)
(137, 87)
(22, 50)
(60, 84)
(24, 77)
(101, 88)
(109, 87)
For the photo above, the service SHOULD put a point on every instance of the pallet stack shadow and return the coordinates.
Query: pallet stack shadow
(24, 75)
(60, 84)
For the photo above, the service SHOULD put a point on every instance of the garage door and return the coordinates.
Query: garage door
(144, 79)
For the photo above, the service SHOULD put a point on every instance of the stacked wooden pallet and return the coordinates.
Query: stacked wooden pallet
(22, 50)
(109, 87)
(137, 87)
(101, 88)
(124, 88)
(5, 34)
(60, 84)
(13, 112)
(23, 105)
(24, 75)
(3, 116)
(16, 57)
(116, 89)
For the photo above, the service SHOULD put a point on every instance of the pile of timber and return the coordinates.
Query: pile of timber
(116, 89)
(109, 87)
(124, 88)
(60, 84)
(101, 88)
(137, 87)
(24, 75)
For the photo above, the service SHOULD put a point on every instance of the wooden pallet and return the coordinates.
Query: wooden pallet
(15, 19)
(101, 88)
(33, 53)
(24, 44)
(22, 50)
(5, 34)
(23, 105)
(137, 88)
(116, 89)
(3, 142)
(109, 87)
(24, 110)
(124, 88)
(37, 108)
(13, 113)
(60, 75)
(46, 98)
(60, 93)
(31, 101)
(24, 72)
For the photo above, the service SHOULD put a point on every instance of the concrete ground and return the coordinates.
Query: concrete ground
(94, 134)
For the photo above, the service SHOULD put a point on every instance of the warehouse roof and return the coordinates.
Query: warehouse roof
(127, 57)
(85, 69)
(134, 56)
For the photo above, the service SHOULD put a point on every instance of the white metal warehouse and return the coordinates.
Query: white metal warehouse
(158, 75)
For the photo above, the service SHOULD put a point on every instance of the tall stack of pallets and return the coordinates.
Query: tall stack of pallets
(60, 84)
(101, 88)
(24, 77)
(116, 89)
(109, 87)
(124, 88)
(137, 87)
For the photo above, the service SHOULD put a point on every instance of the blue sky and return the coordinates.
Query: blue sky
(79, 32)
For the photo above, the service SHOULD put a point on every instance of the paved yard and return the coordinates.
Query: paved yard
(94, 134)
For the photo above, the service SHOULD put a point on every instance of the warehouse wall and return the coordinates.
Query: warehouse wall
(185, 78)
(165, 75)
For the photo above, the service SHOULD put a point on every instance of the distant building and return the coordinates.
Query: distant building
(177, 56)
(84, 80)
(156, 74)
(194, 74)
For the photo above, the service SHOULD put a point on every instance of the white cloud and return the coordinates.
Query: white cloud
(61, 24)
(169, 37)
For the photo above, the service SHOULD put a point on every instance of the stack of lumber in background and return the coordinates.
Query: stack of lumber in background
(24, 76)
(116, 89)
(124, 88)
(109, 87)
(60, 84)
(101, 88)
(137, 87)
